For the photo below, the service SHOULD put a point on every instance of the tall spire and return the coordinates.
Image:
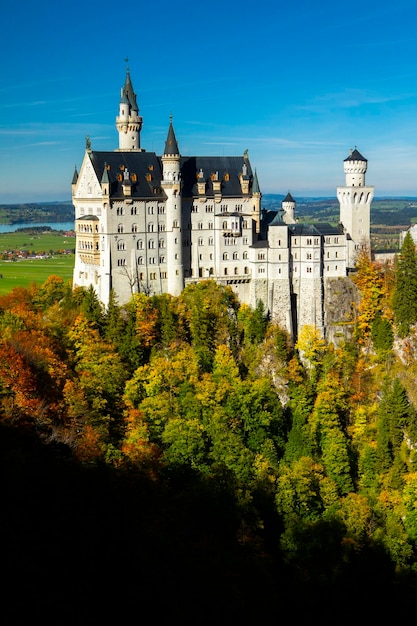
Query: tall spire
(128, 122)
(171, 145)
(255, 184)
(128, 94)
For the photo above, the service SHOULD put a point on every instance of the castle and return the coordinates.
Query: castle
(158, 223)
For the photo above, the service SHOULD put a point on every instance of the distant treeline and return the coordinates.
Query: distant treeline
(37, 212)
(384, 211)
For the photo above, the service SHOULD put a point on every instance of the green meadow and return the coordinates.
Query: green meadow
(24, 272)
(36, 242)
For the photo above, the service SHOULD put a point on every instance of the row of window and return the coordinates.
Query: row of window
(87, 228)
(140, 245)
(233, 226)
(314, 241)
(134, 210)
(309, 256)
(309, 270)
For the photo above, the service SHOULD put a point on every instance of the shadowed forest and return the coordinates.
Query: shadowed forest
(179, 458)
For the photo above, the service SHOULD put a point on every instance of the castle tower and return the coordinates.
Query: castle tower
(171, 184)
(256, 199)
(128, 122)
(355, 205)
(288, 207)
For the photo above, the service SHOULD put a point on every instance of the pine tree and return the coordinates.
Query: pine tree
(405, 290)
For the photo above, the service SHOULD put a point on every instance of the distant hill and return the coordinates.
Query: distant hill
(385, 211)
(37, 212)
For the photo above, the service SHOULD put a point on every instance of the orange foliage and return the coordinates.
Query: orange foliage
(136, 446)
(88, 446)
(374, 281)
(146, 319)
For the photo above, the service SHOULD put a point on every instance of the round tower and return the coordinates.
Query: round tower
(171, 184)
(355, 206)
(355, 166)
(128, 122)
(288, 207)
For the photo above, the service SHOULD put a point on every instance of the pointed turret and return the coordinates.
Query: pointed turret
(128, 92)
(171, 145)
(256, 206)
(128, 122)
(255, 185)
(105, 183)
(74, 180)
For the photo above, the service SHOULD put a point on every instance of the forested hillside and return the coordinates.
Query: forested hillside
(180, 456)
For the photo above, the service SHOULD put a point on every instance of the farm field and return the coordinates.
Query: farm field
(35, 242)
(24, 272)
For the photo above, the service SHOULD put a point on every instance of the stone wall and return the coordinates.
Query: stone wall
(340, 295)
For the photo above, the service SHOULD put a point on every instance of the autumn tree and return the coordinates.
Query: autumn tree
(311, 347)
(373, 293)
(94, 395)
(208, 311)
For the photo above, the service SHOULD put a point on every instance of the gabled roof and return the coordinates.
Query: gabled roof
(144, 170)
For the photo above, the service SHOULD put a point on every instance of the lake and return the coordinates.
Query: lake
(11, 228)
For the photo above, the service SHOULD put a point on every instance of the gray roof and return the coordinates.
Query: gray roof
(255, 186)
(171, 145)
(128, 95)
(147, 165)
(321, 228)
(277, 221)
(355, 155)
(289, 198)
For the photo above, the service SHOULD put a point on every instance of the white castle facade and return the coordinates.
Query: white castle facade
(158, 223)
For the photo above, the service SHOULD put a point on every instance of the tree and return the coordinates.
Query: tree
(113, 324)
(91, 307)
(382, 335)
(369, 279)
(405, 290)
(310, 345)
(395, 414)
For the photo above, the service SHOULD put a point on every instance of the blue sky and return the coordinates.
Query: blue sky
(297, 84)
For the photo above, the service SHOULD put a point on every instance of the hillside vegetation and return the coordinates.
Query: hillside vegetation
(181, 449)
